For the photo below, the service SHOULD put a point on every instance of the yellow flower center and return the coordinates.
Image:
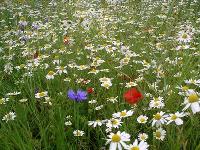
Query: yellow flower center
(1, 101)
(156, 104)
(78, 133)
(114, 122)
(51, 73)
(184, 36)
(106, 85)
(143, 137)
(156, 99)
(157, 116)
(56, 57)
(62, 68)
(173, 117)
(185, 88)
(193, 98)
(135, 148)
(22, 66)
(142, 120)
(116, 138)
(42, 94)
(158, 134)
(123, 113)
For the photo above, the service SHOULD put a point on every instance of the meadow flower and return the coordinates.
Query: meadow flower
(9, 116)
(192, 100)
(183, 89)
(47, 101)
(142, 136)
(176, 118)
(61, 69)
(184, 37)
(94, 71)
(13, 93)
(157, 102)
(93, 101)
(78, 133)
(50, 75)
(142, 119)
(112, 99)
(193, 81)
(23, 100)
(114, 123)
(130, 84)
(68, 123)
(4, 100)
(78, 96)
(123, 114)
(107, 84)
(95, 123)
(90, 90)
(117, 140)
(132, 96)
(104, 79)
(159, 119)
(98, 107)
(82, 67)
(41, 94)
(160, 134)
(67, 79)
(138, 145)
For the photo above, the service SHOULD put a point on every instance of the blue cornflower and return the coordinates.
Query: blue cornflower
(78, 96)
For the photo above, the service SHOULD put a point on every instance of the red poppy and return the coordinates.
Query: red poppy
(132, 96)
(90, 90)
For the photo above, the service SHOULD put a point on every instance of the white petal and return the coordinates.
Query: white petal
(195, 107)
(123, 144)
(119, 146)
(179, 121)
(186, 107)
(113, 146)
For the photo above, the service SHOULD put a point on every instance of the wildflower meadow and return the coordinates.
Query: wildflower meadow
(100, 75)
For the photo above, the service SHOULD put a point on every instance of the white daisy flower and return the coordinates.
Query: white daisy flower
(4, 100)
(192, 100)
(184, 37)
(117, 140)
(112, 99)
(68, 123)
(142, 119)
(41, 94)
(9, 116)
(50, 75)
(142, 136)
(113, 123)
(107, 84)
(130, 84)
(160, 134)
(192, 81)
(61, 69)
(95, 123)
(78, 133)
(159, 119)
(176, 118)
(138, 145)
(157, 102)
(123, 114)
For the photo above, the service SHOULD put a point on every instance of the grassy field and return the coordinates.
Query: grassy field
(100, 75)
